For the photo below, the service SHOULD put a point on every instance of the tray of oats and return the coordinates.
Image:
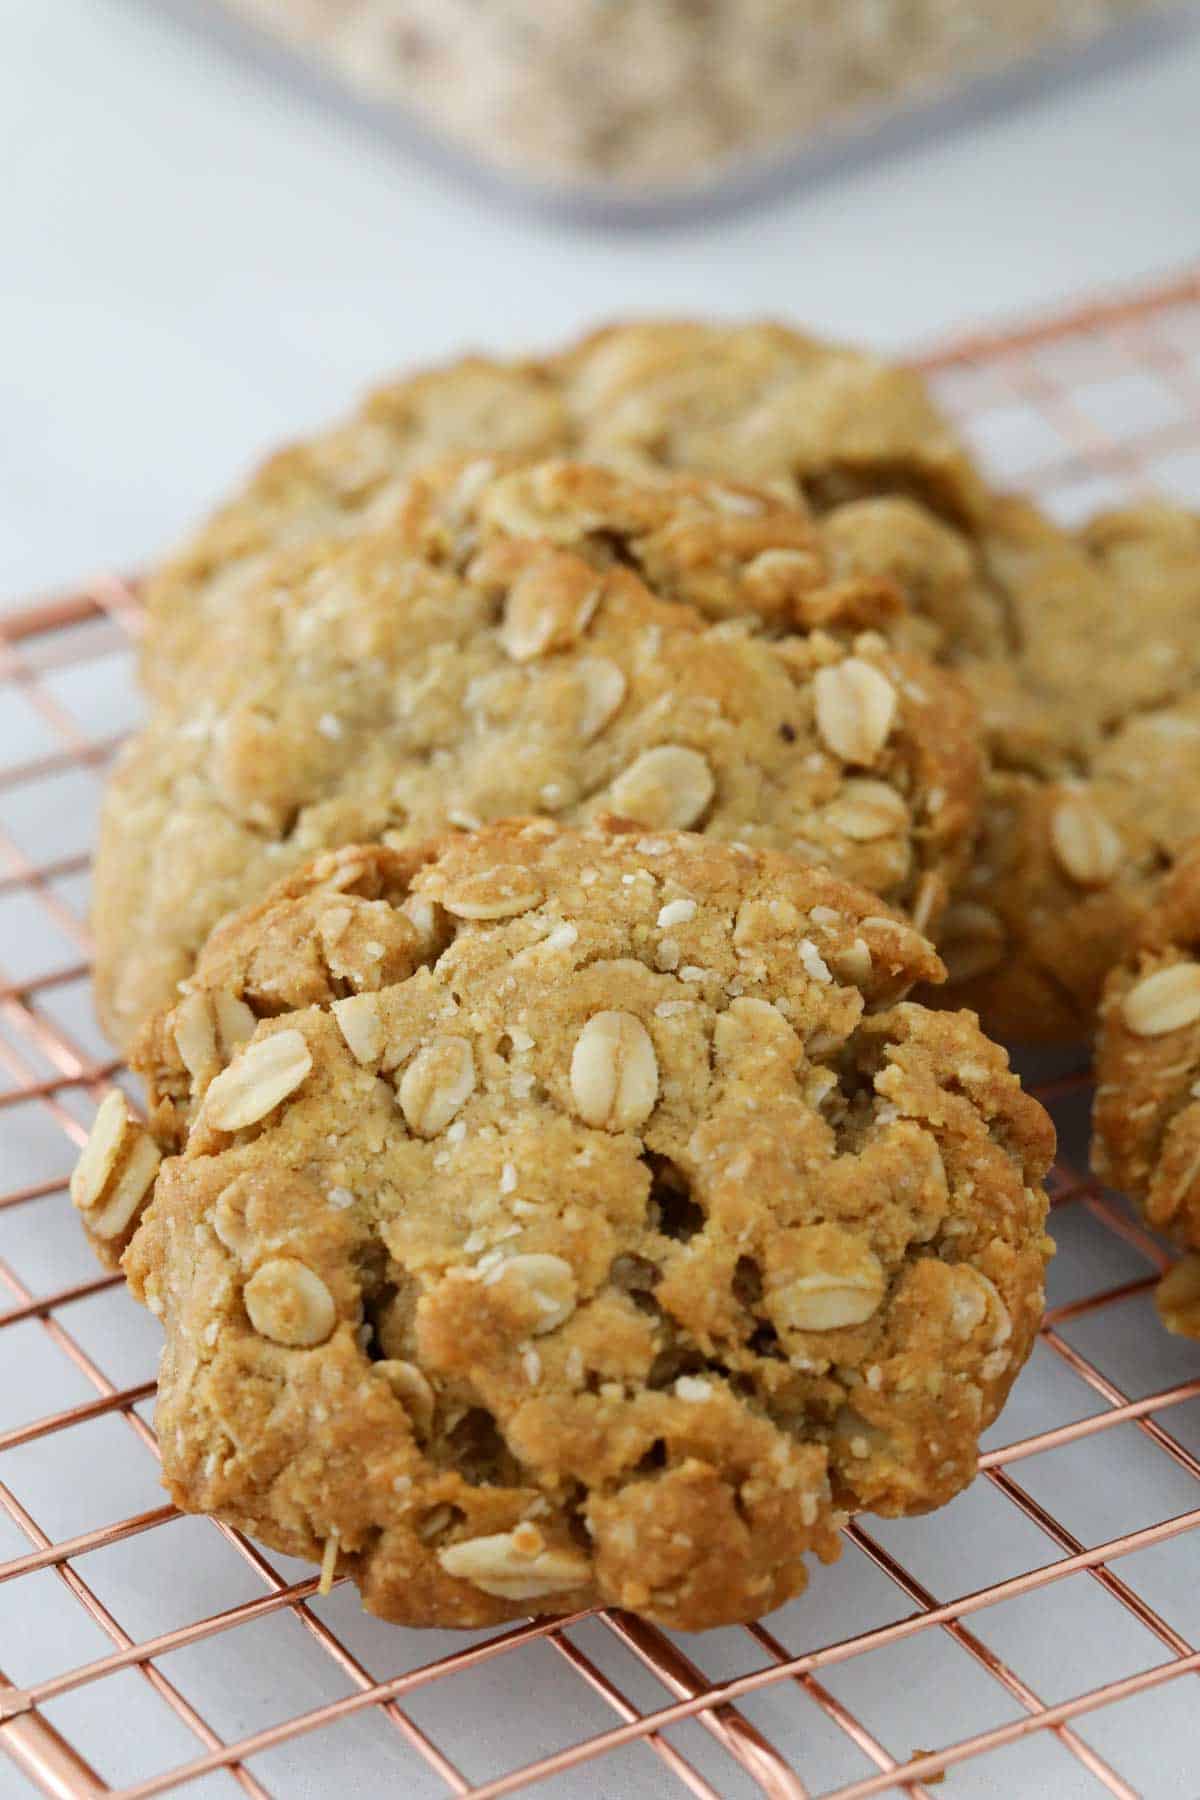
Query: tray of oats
(639, 101)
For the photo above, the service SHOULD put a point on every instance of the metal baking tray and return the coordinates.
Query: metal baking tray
(1085, 37)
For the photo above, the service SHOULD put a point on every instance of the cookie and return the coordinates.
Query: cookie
(1147, 1111)
(1093, 726)
(508, 1263)
(548, 638)
(756, 402)
(1080, 647)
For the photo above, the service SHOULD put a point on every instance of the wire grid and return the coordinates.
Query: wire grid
(958, 1624)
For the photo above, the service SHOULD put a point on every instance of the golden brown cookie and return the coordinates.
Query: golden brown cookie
(547, 638)
(516, 1261)
(1081, 647)
(1147, 1112)
(756, 402)
(1093, 725)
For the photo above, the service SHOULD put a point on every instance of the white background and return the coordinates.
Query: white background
(195, 261)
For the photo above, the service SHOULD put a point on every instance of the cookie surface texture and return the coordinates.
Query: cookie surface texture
(756, 402)
(1092, 721)
(532, 1268)
(1147, 1110)
(554, 638)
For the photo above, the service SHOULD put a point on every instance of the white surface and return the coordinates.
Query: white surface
(191, 263)
(195, 260)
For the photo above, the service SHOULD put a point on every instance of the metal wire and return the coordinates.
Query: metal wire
(1048, 374)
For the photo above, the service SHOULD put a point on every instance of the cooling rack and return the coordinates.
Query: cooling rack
(1038, 1636)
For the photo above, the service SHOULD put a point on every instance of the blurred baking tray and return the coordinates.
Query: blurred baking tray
(948, 88)
(1039, 1636)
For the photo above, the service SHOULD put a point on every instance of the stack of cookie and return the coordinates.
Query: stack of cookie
(555, 779)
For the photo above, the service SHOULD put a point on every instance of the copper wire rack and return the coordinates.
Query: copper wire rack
(1038, 1636)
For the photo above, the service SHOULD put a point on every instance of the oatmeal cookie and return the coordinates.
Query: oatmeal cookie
(572, 1217)
(1147, 1112)
(756, 402)
(551, 638)
(1081, 647)
(1093, 726)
